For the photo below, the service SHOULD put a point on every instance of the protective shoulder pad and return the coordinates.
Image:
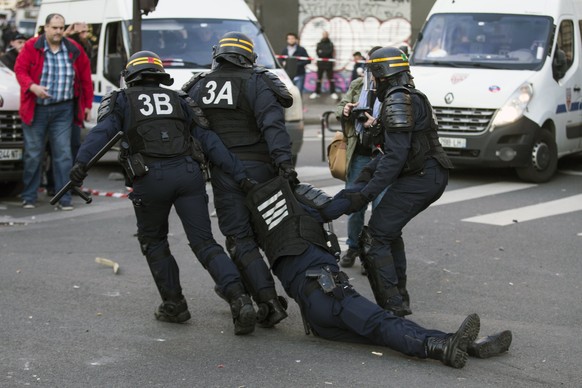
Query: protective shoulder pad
(192, 81)
(107, 105)
(311, 196)
(397, 114)
(199, 116)
(274, 83)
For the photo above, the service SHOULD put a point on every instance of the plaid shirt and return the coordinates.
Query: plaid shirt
(57, 75)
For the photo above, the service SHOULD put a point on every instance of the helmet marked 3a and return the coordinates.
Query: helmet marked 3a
(145, 63)
(387, 61)
(236, 48)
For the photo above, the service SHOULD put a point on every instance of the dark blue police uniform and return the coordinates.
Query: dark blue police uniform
(245, 107)
(331, 308)
(411, 190)
(156, 120)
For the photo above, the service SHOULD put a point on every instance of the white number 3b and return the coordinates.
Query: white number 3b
(161, 105)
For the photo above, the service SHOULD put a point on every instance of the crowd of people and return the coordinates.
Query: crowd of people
(231, 121)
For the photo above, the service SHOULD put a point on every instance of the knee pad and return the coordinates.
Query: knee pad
(206, 251)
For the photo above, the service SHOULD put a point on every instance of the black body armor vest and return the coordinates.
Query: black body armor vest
(282, 226)
(397, 115)
(157, 127)
(223, 99)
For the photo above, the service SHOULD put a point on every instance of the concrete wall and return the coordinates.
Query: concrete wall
(420, 9)
(278, 17)
(354, 25)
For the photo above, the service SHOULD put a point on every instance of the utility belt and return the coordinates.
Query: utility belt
(332, 283)
(136, 165)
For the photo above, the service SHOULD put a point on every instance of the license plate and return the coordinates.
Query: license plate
(453, 142)
(10, 154)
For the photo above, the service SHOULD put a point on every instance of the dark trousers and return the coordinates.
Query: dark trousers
(328, 71)
(407, 197)
(234, 220)
(351, 319)
(178, 183)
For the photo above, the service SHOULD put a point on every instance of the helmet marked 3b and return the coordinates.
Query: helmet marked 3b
(387, 61)
(145, 63)
(237, 48)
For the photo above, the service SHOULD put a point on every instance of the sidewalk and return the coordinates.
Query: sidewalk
(313, 109)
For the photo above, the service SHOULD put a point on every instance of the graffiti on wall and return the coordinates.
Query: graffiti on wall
(353, 25)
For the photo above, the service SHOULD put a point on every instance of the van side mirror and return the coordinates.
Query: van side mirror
(114, 65)
(559, 64)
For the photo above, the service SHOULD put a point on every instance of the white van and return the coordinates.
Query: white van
(181, 32)
(504, 78)
(11, 140)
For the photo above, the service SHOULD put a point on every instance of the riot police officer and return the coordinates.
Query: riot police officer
(163, 159)
(413, 165)
(245, 106)
(301, 258)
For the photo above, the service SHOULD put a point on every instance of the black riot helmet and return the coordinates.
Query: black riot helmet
(236, 48)
(387, 62)
(145, 63)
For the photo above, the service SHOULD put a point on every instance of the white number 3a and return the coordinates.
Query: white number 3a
(224, 94)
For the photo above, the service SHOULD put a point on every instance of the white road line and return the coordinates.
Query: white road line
(528, 213)
(480, 191)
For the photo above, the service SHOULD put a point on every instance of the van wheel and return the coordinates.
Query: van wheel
(544, 159)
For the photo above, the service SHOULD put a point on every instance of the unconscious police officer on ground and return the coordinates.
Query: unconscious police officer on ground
(414, 167)
(244, 104)
(288, 227)
(163, 154)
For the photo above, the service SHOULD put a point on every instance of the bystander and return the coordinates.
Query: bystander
(55, 90)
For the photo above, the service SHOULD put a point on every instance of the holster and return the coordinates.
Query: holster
(133, 164)
(335, 284)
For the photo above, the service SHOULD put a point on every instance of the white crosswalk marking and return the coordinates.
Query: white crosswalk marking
(480, 191)
(501, 218)
(528, 213)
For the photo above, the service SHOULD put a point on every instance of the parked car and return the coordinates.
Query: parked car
(11, 141)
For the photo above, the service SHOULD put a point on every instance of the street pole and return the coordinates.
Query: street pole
(136, 28)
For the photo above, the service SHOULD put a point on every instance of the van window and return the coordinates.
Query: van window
(187, 43)
(566, 41)
(115, 52)
(518, 42)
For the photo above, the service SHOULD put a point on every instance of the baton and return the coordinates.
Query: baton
(94, 159)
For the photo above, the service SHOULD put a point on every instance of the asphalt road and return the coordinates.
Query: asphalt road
(507, 250)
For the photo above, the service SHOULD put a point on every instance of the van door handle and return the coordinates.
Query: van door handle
(576, 88)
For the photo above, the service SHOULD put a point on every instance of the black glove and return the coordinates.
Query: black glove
(287, 171)
(248, 184)
(365, 176)
(357, 202)
(78, 174)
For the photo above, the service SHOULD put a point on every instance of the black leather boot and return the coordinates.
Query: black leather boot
(452, 350)
(243, 313)
(272, 312)
(349, 258)
(173, 309)
(405, 296)
(492, 345)
(395, 303)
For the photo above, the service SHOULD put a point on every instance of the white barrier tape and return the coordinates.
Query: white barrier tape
(105, 193)
(313, 59)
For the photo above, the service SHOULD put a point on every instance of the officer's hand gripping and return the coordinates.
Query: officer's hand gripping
(78, 174)
(357, 201)
(287, 171)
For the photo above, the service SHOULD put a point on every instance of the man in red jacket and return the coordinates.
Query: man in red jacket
(54, 74)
